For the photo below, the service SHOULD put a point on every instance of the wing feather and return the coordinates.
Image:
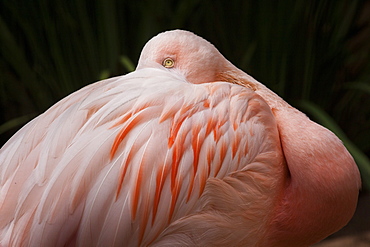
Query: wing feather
(128, 160)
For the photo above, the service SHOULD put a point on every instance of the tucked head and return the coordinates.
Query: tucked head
(194, 57)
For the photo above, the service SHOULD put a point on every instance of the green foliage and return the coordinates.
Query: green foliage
(306, 51)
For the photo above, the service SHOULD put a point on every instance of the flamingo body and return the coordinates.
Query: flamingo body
(193, 152)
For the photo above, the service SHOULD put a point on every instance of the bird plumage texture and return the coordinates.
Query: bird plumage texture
(197, 154)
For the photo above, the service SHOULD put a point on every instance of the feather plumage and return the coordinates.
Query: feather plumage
(116, 157)
(200, 154)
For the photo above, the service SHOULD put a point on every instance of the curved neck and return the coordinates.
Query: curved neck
(321, 194)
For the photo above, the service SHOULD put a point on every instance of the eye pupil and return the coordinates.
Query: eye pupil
(168, 63)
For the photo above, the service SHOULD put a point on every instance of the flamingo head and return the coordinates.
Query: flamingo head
(192, 57)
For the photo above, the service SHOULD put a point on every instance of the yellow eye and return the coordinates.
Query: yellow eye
(168, 63)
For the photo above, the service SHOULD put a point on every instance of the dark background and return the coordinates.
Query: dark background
(315, 54)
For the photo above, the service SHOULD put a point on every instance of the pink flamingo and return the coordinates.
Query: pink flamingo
(187, 150)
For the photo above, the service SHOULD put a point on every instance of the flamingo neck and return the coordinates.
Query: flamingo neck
(323, 181)
(321, 193)
(321, 187)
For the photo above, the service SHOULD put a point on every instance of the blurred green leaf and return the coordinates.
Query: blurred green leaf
(104, 74)
(14, 123)
(361, 86)
(127, 63)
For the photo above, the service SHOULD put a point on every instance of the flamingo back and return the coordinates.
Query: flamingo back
(145, 158)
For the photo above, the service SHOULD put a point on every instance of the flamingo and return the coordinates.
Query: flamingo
(187, 150)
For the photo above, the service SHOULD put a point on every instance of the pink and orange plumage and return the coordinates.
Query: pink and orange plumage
(187, 150)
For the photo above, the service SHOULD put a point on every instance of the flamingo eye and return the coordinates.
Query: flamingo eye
(168, 63)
